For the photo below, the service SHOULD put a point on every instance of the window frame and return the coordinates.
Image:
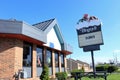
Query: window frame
(41, 60)
(49, 58)
(62, 60)
(56, 53)
(30, 47)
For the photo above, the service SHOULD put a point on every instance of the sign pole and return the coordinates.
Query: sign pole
(94, 70)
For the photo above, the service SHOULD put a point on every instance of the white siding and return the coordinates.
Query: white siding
(52, 38)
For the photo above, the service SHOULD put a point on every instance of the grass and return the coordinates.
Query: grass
(113, 76)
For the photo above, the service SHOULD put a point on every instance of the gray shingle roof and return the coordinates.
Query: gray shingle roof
(43, 25)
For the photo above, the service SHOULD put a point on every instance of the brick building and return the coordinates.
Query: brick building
(25, 47)
(77, 64)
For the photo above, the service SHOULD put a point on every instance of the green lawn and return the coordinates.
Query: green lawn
(114, 76)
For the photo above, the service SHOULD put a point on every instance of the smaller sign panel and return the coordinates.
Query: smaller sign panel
(94, 38)
(91, 48)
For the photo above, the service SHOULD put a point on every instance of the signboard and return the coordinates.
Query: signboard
(89, 31)
(90, 39)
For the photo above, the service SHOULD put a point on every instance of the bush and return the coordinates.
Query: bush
(100, 68)
(112, 69)
(77, 70)
(61, 75)
(45, 73)
(107, 68)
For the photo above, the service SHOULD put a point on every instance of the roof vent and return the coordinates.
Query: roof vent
(12, 19)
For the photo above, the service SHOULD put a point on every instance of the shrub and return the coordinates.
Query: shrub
(100, 68)
(112, 69)
(45, 73)
(61, 75)
(77, 70)
(107, 68)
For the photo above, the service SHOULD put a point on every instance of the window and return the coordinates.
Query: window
(49, 58)
(39, 60)
(39, 57)
(56, 59)
(27, 59)
(62, 60)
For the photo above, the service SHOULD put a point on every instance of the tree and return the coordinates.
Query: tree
(45, 73)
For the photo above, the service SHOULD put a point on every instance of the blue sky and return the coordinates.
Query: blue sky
(67, 13)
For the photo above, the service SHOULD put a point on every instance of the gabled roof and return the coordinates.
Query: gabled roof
(43, 25)
(47, 25)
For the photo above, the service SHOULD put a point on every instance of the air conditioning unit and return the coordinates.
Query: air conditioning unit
(23, 74)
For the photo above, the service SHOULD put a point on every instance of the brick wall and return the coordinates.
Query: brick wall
(8, 58)
(11, 57)
(18, 55)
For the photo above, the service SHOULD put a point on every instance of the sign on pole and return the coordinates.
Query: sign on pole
(89, 33)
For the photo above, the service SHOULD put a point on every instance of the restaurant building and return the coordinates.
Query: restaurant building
(24, 48)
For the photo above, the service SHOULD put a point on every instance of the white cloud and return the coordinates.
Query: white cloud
(116, 51)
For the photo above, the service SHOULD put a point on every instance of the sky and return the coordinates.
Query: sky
(67, 13)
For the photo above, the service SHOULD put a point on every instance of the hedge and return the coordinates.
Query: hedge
(61, 75)
(109, 69)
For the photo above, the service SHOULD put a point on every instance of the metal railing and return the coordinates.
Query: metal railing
(79, 75)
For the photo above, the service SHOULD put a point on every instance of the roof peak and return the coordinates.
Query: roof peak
(44, 24)
(44, 21)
